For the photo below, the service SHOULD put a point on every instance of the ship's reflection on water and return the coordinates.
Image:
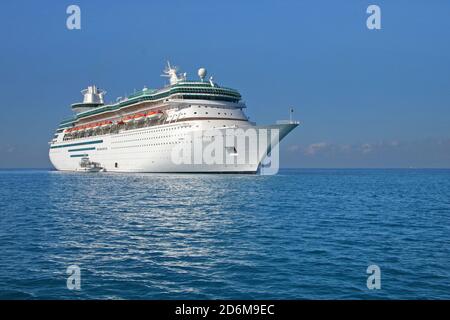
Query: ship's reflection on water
(166, 232)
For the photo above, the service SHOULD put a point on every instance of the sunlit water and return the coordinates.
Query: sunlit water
(302, 234)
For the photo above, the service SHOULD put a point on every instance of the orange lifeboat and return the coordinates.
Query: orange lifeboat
(139, 116)
(153, 114)
(105, 124)
(128, 118)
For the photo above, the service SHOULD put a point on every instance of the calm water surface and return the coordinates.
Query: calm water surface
(302, 234)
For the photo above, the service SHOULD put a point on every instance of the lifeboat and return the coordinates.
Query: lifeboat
(154, 114)
(139, 116)
(105, 124)
(128, 119)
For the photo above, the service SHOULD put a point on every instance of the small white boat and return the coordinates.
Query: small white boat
(90, 166)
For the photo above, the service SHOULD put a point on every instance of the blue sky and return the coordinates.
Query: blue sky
(366, 98)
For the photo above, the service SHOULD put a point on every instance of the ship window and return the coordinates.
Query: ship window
(116, 165)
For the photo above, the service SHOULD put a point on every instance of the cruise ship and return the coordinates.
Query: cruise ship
(165, 130)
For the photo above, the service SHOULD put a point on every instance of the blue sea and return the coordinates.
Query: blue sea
(301, 234)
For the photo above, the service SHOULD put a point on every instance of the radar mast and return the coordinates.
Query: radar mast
(171, 73)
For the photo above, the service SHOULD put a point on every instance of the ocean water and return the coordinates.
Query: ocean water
(302, 234)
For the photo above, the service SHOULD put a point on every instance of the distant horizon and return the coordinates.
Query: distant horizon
(284, 168)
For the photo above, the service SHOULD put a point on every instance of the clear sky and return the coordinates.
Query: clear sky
(366, 98)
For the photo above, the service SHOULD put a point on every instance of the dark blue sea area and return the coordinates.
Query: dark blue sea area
(301, 234)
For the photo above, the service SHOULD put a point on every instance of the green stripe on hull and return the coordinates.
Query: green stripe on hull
(77, 144)
(78, 155)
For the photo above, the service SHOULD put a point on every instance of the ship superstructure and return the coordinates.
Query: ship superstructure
(142, 132)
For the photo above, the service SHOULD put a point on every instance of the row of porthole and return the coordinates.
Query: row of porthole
(206, 112)
(147, 145)
(150, 145)
(149, 131)
(158, 137)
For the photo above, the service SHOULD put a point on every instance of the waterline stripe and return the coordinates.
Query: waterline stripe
(76, 144)
(81, 149)
(78, 155)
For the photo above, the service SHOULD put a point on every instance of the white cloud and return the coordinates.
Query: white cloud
(366, 147)
(428, 152)
(312, 149)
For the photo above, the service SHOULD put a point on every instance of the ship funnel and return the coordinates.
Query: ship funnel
(93, 95)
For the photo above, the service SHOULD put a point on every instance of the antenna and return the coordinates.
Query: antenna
(171, 73)
(291, 111)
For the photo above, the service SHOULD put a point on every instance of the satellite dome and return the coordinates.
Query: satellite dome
(202, 73)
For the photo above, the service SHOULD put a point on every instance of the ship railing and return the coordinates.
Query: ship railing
(287, 122)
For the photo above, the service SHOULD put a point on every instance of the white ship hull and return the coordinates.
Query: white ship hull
(150, 149)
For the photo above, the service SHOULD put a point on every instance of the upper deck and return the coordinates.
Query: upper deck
(180, 88)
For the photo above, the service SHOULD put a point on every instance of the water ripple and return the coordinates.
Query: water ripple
(303, 234)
